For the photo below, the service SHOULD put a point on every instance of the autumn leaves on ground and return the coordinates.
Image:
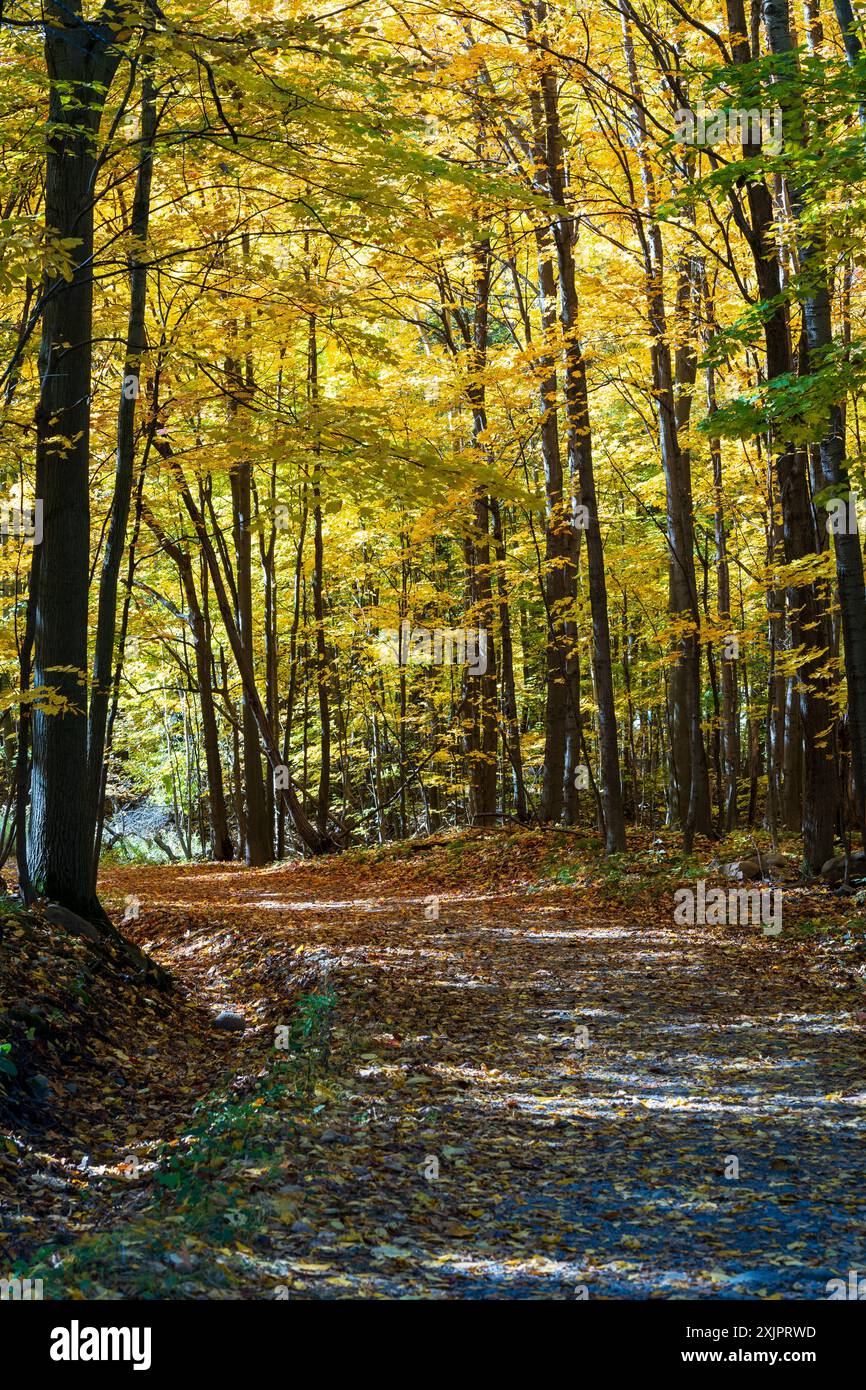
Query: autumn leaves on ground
(485, 1065)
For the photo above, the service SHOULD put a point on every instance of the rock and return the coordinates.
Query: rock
(742, 868)
(229, 1023)
(834, 869)
(70, 921)
(751, 868)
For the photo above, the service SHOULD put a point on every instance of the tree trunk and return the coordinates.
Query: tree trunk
(818, 327)
(315, 840)
(690, 797)
(558, 577)
(318, 585)
(808, 616)
(136, 344)
(511, 727)
(81, 65)
(259, 846)
(730, 719)
(582, 473)
(221, 845)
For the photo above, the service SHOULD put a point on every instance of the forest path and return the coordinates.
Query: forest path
(701, 1137)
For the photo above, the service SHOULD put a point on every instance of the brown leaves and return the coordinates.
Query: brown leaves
(535, 1090)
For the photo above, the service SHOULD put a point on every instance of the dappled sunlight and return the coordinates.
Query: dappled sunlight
(520, 1097)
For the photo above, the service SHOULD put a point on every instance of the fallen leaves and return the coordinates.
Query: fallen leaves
(531, 1094)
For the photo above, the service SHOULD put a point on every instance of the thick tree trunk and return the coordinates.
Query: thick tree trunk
(818, 330)
(81, 64)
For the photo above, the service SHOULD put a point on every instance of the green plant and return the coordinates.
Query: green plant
(7, 1066)
(309, 1047)
(231, 1129)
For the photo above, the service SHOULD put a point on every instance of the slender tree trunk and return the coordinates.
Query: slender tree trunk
(548, 133)
(318, 584)
(511, 726)
(730, 720)
(272, 697)
(136, 344)
(315, 840)
(818, 329)
(558, 577)
(482, 772)
(120, 656)
(481, 685)
(807, 610)
(221, 845)
(690, 796)
(259, 847)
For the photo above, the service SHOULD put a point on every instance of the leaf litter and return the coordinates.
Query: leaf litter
(484, 1065)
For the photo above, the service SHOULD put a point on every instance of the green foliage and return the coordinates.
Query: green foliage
(230, 1130)
(7, 1066)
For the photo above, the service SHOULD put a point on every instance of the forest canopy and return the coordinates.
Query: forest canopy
(423, 415)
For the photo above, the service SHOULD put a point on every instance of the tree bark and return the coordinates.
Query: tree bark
(81, 63)
(259, 844)
(511, 727)
(818, 328)
(136, 344)
(807, 610)
(690, 798)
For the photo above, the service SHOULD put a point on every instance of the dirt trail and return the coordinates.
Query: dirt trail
(529, 1095)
